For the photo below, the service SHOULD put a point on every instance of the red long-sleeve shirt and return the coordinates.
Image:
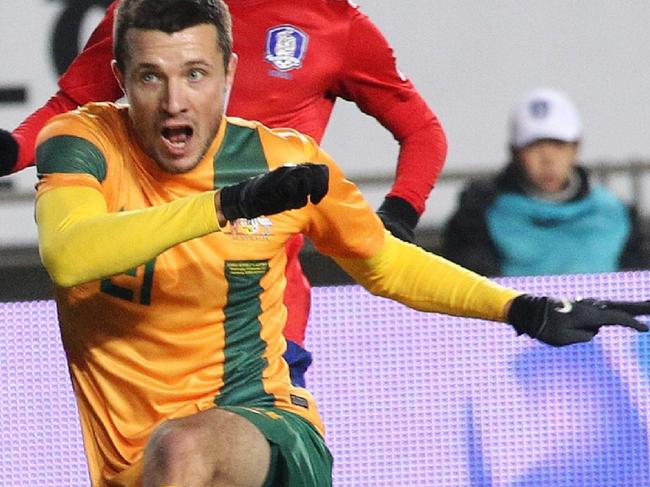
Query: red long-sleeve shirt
(296, 57)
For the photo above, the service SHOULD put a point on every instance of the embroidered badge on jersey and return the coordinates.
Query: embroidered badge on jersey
(286, 46)
(256, 229)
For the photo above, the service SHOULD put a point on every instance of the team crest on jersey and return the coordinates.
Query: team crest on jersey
(286, 46)
(255, 229)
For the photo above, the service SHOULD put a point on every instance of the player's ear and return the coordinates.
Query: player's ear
(119, 75)
(230, 77)
(232, 67)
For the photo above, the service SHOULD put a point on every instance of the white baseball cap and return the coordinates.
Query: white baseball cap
(544, 113)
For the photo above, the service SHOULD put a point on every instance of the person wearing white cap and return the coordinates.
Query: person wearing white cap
(541, 214)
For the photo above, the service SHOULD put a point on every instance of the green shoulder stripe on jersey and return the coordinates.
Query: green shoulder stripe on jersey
(239, 157)
(70, 154)
(244, 347)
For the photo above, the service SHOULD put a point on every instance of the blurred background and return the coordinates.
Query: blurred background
(483, 409)
(470, 60)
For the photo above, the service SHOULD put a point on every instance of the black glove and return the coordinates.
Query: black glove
(399, 217)
(285, 188)
(8, 152)
(563, 322)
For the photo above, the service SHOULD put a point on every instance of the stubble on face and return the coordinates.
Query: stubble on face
(177, 85)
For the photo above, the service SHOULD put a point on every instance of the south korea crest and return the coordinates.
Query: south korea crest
(286, 46)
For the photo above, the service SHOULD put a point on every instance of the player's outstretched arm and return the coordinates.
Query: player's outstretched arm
(428, 282)
(80, 241)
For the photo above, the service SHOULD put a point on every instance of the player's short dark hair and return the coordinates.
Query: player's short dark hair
(170, 16)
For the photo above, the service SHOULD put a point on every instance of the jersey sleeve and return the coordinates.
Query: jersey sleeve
(79, 239)
(343, 224)
(427, 282)
(344, 227)
(70, 151)
(26, 133)
(370, 78)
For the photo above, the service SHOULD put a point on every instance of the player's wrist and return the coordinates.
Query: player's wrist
(527, 313)
(399, 217)
(401, 210)
(221, 219)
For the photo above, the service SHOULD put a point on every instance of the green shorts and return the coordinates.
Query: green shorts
(299, 456)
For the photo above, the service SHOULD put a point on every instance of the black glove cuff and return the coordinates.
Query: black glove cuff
(528, 314)
(8, 152)
(400, 210)
(231, 199)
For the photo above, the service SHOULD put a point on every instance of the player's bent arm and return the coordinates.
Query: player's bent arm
(371, 79)
(427, 282)
(79, 241)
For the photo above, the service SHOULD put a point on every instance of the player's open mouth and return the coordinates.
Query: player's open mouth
(177, 138)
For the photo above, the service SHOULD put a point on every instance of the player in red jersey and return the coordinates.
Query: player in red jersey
(295, 59)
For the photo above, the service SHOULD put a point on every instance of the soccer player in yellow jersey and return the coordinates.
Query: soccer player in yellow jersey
(163, 224)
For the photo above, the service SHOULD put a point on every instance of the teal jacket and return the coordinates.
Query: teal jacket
(498, 230)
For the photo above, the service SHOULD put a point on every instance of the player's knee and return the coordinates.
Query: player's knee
(171, 444)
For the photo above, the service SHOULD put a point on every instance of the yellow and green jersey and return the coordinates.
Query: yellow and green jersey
(199, 324)
(162, 312)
